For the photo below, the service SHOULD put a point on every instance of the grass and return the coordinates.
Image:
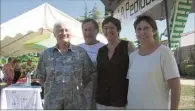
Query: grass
(187, 100)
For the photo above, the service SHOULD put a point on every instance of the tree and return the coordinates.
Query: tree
(95, 13)
(85, 16)
(138, 43)
(124, 38)
(86, 12)
(106, 13)
(100, 27)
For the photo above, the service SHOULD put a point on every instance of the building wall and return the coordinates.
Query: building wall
(184, 53)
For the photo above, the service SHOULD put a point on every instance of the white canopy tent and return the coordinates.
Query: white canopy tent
(36, 22)
(49, 42)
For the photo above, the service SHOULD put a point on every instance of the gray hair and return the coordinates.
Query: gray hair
(57, 24)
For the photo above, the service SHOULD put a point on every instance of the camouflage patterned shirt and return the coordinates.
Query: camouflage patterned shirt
(64, 76)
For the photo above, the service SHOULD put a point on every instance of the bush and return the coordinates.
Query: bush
(182, 67)
(35, 59)
(190, 61)
(190, 70)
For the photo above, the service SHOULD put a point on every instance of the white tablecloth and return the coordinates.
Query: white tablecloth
(21, 97)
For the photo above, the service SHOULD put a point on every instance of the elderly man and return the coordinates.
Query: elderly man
(64, 70)
(90, 30)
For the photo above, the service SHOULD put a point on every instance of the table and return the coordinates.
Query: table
(21, 97)
(23, 80)
(2, 85)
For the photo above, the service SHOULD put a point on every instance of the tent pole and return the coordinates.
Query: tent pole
(167, 21)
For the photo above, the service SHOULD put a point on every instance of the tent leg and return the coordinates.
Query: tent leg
(167, 21)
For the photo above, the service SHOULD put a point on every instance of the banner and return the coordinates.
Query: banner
(130, 9)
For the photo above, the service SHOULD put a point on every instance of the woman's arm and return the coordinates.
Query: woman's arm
(171, 75)
(174, 85)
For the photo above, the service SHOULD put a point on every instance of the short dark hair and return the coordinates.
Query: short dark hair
(16, 60)
(93, 21)
(148, 19)
(10, 59)
(113, 20)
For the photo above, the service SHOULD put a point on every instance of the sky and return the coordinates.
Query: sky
(75, 8)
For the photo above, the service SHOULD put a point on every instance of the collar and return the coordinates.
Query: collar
(70, 48)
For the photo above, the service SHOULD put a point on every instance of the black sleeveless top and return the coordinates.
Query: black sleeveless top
(112, 85)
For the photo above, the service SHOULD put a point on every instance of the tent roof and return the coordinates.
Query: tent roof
(33, 23)
(44, 16)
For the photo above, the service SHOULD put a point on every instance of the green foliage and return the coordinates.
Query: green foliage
(182, 66)
(100, 27)
(107, 13)
(86, 12)
(3, 60)
(33, 56)
(25, 58)
(95, 13)
(34, 59)
(192, 57)
(85, 16)
(156, 37)
(187, 67)
(124, 38)
(190, 70)
(138, 43)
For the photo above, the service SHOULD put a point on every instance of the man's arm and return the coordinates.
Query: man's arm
(171, 75)
(174, 85)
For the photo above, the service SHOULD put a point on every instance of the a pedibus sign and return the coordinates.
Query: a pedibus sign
(129, 9)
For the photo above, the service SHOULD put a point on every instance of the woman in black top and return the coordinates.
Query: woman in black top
(17, 70)
(112, 67)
